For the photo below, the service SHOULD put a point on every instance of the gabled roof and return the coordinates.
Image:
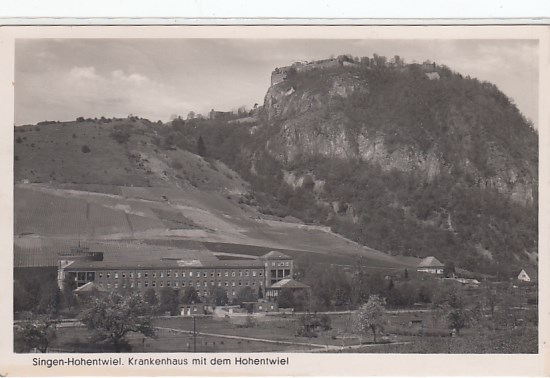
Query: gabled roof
(276, 255)
(531, 272)
(288, 283)
(430, 262)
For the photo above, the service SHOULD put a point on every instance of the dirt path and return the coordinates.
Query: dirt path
(315, 348)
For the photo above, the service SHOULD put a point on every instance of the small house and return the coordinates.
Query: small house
(430, 265)
(527, 275)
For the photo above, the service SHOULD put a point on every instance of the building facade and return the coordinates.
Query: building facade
(204, 276)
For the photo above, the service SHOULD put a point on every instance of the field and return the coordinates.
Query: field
(278, 333)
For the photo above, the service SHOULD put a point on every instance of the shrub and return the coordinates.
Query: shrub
(85, 149)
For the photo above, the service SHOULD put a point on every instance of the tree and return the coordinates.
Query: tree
(370, 316)
(191, 115)
(111, 318)
(201, 148)
(169, 301)
(245, 294)
(449, 269)
(35, 333)
(286, 299)
(150, 297)
(219, 296)
(69, 285)
(451, 300)
(190, 296)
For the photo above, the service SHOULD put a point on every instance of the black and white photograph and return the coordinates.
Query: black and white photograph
(355, 195)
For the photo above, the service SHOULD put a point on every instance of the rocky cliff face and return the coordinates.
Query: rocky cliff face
(317, 116)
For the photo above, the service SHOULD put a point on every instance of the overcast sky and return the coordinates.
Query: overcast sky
(155, 79)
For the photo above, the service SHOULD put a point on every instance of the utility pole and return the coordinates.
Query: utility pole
(194, 335)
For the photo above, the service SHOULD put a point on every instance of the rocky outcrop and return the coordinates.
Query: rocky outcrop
(309, 118)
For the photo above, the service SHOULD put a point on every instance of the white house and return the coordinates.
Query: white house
(527, 275)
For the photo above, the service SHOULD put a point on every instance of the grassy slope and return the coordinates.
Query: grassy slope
(163, 195)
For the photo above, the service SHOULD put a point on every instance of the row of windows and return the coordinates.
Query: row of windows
(182, 274)
(204, 293)
(183, 284)
(281, 263)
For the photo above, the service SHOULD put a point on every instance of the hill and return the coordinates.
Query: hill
(131, 188)
(412, 160)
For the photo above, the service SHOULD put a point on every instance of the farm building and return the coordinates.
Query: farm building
(527, 275)
(430, 265)
(201, 270)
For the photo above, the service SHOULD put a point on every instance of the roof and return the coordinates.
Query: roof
(430, 262)
(88, 288)
(288, 283)
(166, 264)
(531, 272)
(276, 255)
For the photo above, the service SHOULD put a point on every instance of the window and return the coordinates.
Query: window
(176, 283)
(116, 274)
(246, 273)
(190, 274)
(131, 274)
(232, 283)
(240, 283)
(219, 283)
(123, 274)
(204, 274)
(116, 286)
(146, 274)
(198, 283)
(153, 284)
(146, 284)
(211, 274)
(161, 274)
(154, 274)
(233, 292)
(233, 274)
(139, 284)
(287, 263)
(131, 284)
(253, 283)
(161, 284)
(219, 274)
(167, 274)
(108, 275)
(183, 274)
(273, 263)
(100, 275)
(176, 274)
(168, 283)
(205, 283)
(240, 273)
(226, 283)
(261, 273)
(139, 274)
(108, 286)
(211, 283)
(182, 284)
(226, 273)
(247, 283)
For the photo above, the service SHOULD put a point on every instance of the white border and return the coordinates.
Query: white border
(301, 364)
